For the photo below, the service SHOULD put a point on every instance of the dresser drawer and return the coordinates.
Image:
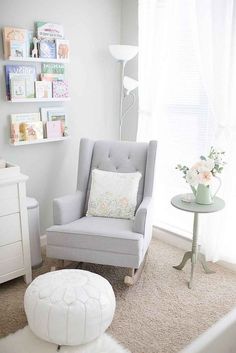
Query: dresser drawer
(11, 258)
(10, 229)
(9, 202)
(8, 191)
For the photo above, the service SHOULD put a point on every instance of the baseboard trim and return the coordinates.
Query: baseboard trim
(182, 243)
(172, 238)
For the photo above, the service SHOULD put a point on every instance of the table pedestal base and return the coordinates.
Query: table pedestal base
(200, 257)
(194, 255)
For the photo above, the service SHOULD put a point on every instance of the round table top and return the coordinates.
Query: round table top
(192, 206)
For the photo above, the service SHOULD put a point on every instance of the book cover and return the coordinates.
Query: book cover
(15, 133)
(18, 89)
(53, 68)
(60, 89)
(49, 30)
(18, 69)
(28, 80)
(53, 129)
(45, 112)
(32, 131)
(52, 77)
(47, 49)
(24, 118)
(18, 49)
(58, 115)
(12, 33)
(63, 49)
(43, 89)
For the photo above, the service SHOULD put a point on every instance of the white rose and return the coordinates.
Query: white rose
(200, 166)
(204, 166)
(209, 164)
(192, 177)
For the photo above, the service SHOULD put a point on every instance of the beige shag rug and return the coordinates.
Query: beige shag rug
(157, 315)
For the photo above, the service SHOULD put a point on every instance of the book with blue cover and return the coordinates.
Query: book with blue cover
(47, 49)
(18, 69)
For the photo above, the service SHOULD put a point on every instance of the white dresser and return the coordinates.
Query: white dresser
(14, 233)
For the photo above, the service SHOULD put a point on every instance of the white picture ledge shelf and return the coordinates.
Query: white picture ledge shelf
(39, 60)
(35, 100)
(45, 140)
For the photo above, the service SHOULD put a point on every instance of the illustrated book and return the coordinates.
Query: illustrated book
(49, 30)
(18, 69)
(43, 89)
(12, 33)
(53, 68)
(63, 49)
(47, 49)
(60, 89)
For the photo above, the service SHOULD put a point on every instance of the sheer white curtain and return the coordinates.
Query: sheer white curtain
(215, 22)
(186, 85)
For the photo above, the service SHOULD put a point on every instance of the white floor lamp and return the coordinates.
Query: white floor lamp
(124, 53)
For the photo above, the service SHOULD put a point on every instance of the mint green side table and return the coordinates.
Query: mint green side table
(194, 254)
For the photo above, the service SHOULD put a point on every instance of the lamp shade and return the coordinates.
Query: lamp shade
(130, 84)
(123, 52)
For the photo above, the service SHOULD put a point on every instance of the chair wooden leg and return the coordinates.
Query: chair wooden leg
(63, 264)
(134, 274)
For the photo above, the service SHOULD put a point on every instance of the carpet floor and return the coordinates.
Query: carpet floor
(157, 315)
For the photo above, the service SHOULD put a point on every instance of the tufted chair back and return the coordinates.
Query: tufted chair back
(116, 156)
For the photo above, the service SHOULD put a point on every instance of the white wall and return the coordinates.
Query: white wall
(129, 35)
(90, 25)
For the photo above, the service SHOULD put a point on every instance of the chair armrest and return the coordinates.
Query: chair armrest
(141, 216)
(68, 208)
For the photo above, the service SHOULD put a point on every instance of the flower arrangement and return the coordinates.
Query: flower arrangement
(205, 169)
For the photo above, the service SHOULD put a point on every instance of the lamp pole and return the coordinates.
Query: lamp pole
(123, 63)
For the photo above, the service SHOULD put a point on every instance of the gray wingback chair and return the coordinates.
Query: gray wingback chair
(108, 241)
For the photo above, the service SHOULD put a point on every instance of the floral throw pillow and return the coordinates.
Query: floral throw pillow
(113, 194)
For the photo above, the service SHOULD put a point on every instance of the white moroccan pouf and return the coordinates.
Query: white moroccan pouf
(69, 307)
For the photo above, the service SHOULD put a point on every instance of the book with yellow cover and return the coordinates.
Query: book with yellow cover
(32, 131)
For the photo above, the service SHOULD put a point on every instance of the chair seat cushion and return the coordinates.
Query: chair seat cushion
(97, 233)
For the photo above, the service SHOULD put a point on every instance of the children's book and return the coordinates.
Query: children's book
(43, 89)
(15, 133)
(18, 49)
(60, 89)
(16, 120)
(53, 68)
(46, 112)
(58, 115)
(53, 129)
(47, 49)
(18, 89)
(49, 30)
(21, 83)
(18, 69)
(63, 49)
(24, 118)
(12, 33)
(31, 131)
(52, 77)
